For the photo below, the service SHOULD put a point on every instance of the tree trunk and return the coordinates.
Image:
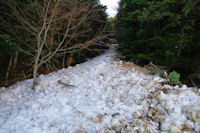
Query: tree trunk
(70, 60)
(14, 64)
(8, 71)
(35, 69)
(63, 62)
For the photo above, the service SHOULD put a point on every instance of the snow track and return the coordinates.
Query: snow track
(106, 96)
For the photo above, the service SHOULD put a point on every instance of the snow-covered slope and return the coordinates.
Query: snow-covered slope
(105, 95)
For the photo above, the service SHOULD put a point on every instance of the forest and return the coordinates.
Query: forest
(71, 66)
(165, 32)
(38, 37)
(41, 36)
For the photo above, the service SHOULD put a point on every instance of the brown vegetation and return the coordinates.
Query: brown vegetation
(52, 32)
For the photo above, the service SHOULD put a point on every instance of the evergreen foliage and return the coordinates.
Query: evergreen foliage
(166, 32)
(6, 46)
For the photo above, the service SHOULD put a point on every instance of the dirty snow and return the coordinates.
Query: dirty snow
(101, 95)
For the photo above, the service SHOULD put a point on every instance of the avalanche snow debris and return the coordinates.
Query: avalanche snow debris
(110, 96)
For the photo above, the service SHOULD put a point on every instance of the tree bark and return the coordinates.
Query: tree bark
(15, 64)
(35, 69)
(8, 71)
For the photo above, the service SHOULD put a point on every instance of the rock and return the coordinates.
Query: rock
(157, 79)
(157, 118)
(188, 126)
(193, 112)
(165, 124)
(79, 113)
(117, 128)
(174, 129)
(196, 116)
(137, 115)
(136, 130)
(98, 118)
(197, 127)
(152, 111)
(80, 131)
(188, 116)
(165, 75)
(148, 129)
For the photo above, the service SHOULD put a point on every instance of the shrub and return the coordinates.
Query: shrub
(174, 78)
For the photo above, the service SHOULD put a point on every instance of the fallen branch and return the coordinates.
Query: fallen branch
(67, 85)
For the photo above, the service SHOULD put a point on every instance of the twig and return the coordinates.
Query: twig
(67, 85)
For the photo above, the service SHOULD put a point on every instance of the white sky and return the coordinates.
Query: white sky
(112, 6)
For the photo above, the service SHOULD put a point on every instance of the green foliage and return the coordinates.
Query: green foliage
(162, 73)
(151, 72)
(165, 32)
(174, 78)
(194, 77)
(6, 46)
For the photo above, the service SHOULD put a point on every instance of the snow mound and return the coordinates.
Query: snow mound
(101, 95)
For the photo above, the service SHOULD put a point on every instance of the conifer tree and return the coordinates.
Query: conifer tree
(165, 32)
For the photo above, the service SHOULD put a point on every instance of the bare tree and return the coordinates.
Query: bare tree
(57, 27)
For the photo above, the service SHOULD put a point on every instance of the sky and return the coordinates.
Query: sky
(112, 6)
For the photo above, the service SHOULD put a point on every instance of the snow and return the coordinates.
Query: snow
(106, 95)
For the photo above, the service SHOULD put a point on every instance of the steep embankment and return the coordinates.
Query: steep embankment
(101, 95)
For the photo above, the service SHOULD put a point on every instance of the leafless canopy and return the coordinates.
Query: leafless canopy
(57, 27)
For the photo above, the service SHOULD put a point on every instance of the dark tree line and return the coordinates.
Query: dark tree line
(166, 32)
(40, 36)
